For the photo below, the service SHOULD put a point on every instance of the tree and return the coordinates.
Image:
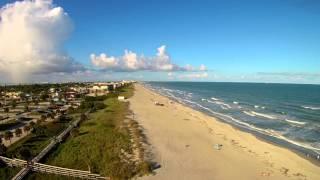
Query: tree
(18, 132)
(44, 96)
(83, 117)
(6, 110)
(25, 153)
(3, 149)
(14, 104)
(36, 102)
(32, 124)
(26, 128)
(8, 135)
(71, 109)
(43, 117)
(39, 130)
(52, 115)
(26, 108)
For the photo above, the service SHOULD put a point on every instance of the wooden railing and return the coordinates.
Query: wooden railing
(43, 168)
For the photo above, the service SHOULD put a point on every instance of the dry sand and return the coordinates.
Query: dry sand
(182, 141)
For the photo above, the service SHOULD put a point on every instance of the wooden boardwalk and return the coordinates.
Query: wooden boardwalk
(43, 168)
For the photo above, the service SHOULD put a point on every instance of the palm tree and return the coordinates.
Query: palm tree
(43, 117)
(32, 124)
(18, 132)
(8, 135)
(6, 110)
(36, 102)
(52, 115)
(26, 128)
(26, 108)
(14, 104)
(3, 149)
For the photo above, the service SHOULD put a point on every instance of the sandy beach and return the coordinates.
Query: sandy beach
(183, 141)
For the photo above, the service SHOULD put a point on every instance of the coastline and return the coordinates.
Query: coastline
(180, 135)
(303, 152)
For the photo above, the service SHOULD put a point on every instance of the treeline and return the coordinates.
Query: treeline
(92, 103)
(37, 88)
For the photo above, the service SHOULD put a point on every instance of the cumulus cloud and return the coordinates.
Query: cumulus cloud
(194, 75)
(202, 67)
(130, 61)
(32, 34)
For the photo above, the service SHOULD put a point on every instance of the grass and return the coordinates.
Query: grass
(99, 146)
(35, 143)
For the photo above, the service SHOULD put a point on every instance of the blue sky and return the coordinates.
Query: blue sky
(237, 40)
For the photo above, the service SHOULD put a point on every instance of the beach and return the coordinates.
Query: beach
(189, 144)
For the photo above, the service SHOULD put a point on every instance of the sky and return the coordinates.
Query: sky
(170, 40)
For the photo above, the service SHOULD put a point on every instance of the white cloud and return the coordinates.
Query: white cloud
(194, 75)
(188, 67)
(32, 34)
(130, 61)
(202, 67)
(103, 61)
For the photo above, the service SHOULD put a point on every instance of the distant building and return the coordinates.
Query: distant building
(121, 98)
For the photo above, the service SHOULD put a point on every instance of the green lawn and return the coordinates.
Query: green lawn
(98, 145)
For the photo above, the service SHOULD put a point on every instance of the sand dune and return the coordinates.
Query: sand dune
(182, 141)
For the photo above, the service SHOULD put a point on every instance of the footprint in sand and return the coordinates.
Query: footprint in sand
(233, 142)
(284, 171)
(266, 173)
(210, 130)
(300, 176)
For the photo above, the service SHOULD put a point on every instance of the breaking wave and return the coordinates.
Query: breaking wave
(311, 107)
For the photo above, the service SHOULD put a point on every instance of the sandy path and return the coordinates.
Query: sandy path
(183, 140)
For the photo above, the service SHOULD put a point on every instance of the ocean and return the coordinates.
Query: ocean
(286, 114)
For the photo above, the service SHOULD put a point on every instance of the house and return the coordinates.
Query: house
(98, 89)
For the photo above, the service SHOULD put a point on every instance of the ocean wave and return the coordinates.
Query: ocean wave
(295, 122)
(248, 113)
(268, 132)
(263, 115)
(253, 113)
(235, 102)
(215, 99)
(311, 107)
(222, 104)
(256, 106)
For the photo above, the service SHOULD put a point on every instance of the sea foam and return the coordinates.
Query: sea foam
(311, 107)
(295, 122)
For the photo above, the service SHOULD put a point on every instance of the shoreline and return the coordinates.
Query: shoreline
(303, 152)
(275, 168)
